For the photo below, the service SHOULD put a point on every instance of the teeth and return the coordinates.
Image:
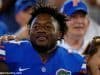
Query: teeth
(41, 36)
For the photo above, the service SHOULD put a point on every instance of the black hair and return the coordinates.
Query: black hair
(42, 7)
(91, 49)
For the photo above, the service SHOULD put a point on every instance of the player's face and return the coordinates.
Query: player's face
(94, 63)
(78, 24)
(43, 32)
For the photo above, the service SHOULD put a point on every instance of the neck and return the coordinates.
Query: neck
(73, 41)
(44, 52)
(45, 56)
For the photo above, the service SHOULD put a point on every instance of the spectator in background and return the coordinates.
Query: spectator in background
(23, 10)
(92, 53)
(7, 16)
(77, 23)
(3, 26)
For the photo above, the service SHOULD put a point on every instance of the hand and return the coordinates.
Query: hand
(6, 38)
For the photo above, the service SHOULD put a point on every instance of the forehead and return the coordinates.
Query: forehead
(45, 19)
(79, 12)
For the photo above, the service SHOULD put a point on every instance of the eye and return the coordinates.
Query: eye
(48, 26)
(36, 27)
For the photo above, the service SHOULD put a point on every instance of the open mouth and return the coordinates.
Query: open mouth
(41, 38)
(78, 27)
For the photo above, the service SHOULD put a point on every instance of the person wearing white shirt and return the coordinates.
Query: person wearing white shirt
(78, 24)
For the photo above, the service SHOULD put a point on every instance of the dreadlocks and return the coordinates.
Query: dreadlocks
(42, 7)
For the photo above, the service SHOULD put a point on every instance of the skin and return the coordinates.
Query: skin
(22, 17)
(43, 35)
(77, 26)
(93, 63)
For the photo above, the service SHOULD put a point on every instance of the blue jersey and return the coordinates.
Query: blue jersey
(23, 59)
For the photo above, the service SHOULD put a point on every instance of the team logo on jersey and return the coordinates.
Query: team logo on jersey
(63, 72)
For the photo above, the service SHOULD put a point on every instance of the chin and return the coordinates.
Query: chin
(42, 43)
(79, 33)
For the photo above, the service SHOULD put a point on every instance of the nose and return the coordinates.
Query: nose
(80, 20)
(41, 30)
(41, 33)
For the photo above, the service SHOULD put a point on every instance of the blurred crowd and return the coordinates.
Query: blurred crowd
(10, 19)
(15, 14)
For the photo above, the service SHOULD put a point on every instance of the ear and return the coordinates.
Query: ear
(59, 35)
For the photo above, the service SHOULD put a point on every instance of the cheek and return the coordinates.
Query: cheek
(32, 34)
(70, 27)
(18, 19)
(95, 60)
(70, 23)
(27, 16)
(52, 36)
(86, 22)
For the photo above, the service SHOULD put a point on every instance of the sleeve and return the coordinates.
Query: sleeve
(13, 52)
(2, 54)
